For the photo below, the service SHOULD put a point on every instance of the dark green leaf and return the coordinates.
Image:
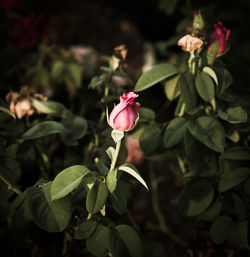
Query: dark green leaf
(74, 73)
(236, 153)
(57, 69)
(186, 84)
(50, 107)
(116, 245)
(96, 243)
(205, 86)
(156, 74)
(213, 211)
(195, 197)
(208, 131)
(150, 139)
(146, 114)
(233, 177)
(43, 129)
(67, 180)
(131, 239)
(174, 132)
(111, 180)
(52, 216)
(96, 197)
(118, 199)
(220, 228)
(238, 234)
(171, 88)
(202, 161)
(233, 115)
(85, 229)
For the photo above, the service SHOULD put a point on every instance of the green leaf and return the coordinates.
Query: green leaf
(57, 69)
(118, 199)
(97, 81)
(43, 76)
(233, 115)
(131, 169)
(101, 167)
(42, 129)
(76, 128)
(195, 197)
(156, 74)
(205, 86)
(233, 177)
(146, 114)
(174, 132)
(238, 234)
(131, 239)
(111, 180)
(171, 88)
(52, 216)
(186, 84)
(85, 229)
(96, 197)
(67, 180)
(110, 152)
(213, 211)
(220, 228)
(236, 153)
(233, 205)
(208, 131)
(74, 73)
(202, 161)
(50, 107)
(211, 73)
(96, 243)
(6, 110)
(150, 138)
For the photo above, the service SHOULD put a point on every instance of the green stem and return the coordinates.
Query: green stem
(117, 149)
(157, 211)
(10, 186)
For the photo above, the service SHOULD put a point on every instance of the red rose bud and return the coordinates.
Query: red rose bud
(198, 22)
(221, 34)
(124, 115)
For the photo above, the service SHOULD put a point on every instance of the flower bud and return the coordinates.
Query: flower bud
(198, 22)
(124, 115)
(190, 43)
(221, 34)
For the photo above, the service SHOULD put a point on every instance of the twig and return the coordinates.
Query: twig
(157, 211)
(10, 186)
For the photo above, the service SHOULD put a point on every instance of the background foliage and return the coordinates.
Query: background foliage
(54, 166)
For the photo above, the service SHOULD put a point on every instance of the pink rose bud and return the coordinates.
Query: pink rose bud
(124, 114)
(221, 34)
(190, 43)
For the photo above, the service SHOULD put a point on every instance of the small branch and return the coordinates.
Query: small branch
(157, 211)
(10, 186)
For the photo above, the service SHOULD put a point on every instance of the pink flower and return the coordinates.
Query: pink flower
(190, 43)
(124, 114)
(221, 34)
(135, 154)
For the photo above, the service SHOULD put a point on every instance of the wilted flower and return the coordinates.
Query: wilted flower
(21, 103)
(221, 34)
(135, 154)
(29, 30)
(190, 43)
(124, 115)
(120, 54)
